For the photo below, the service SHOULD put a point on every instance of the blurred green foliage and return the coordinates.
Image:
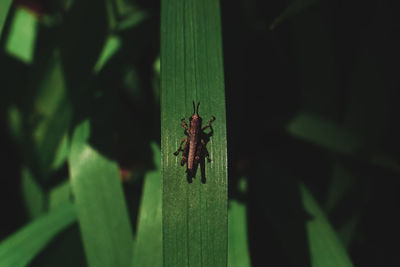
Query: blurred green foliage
(311, 91)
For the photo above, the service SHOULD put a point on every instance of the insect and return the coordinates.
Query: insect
(195, 141)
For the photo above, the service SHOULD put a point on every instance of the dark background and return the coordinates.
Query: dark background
(337, 60)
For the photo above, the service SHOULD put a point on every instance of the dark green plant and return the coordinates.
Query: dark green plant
(305, 99)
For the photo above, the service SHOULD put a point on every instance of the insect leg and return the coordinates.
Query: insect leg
(185, 152)
(180, 146)
(198, 153)
(184, 124)
(205, 151)
(209, 123)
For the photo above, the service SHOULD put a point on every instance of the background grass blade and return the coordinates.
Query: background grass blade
(148, 246)
(22, 37)
(33, 194)
(4, 8)
(322, 132)
(100, 203)
(20, 248)
(238, 251)
(194, 214)
(325, 247)
(338, 139)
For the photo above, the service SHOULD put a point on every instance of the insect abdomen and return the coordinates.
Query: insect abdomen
(192, 151)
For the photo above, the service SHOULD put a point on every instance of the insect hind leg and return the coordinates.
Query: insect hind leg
(176, 153)
(185, 154)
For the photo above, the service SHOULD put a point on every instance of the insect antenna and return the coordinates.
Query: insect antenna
(197, 110)
(194, 108)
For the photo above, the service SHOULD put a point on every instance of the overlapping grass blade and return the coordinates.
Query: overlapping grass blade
(325, 247)
(322, 132)
(194, 214)
(101, 208)
(20, 248)
(59, 195)
(4, 8)
(335, 138)
(148, 246)
(22, 37)
(303, 229)
(33, 194)
(238, 251)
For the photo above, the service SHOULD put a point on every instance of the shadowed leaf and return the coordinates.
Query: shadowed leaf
(4, 8)
(20, 248)
(325, 247)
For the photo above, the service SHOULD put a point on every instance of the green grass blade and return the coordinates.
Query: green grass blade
(22, 37)
(59, 195)
(326, 250)
(100, 203)
(238, 251)
(148, 246)
(49, 134)
(20, 248)
(324, 133)
(33, 195)
(338, 139)
(194, 214)
(4, 8)
(112, 45)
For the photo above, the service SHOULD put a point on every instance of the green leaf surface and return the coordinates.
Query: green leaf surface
(65, 250)
(238, 251)
(194, 214)
(20, 248)
(100, 203)
(123, 15)
(22, 37)
(111, 46)
(324, 133)
(340, 184)
(33, 195)
(4, 8)
(59, 195)
(335, 138)
(54, 110)
(148, 246)
(326, 248)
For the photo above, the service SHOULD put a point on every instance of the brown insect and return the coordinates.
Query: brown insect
(195, 141)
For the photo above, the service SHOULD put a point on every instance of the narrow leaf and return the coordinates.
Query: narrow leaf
(59, 195)
(148, 246)
(238, 251)
(322, 132)
(4, 8)
(22, 37)
(20, 248)
(54, 109)
(111, 46)
(100, 203)
(326, 134)
(194, 210)
(325, 247)
(33, 195)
